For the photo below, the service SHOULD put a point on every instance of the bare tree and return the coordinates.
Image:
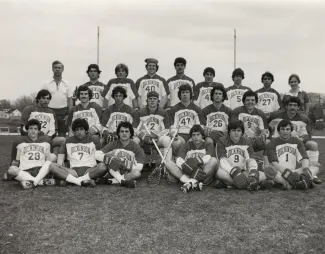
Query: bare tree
(25, 100)
(5, 104)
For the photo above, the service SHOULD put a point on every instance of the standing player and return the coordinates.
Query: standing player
(62, 94)
(80, 150)
(255, 121)
(301, 127)
(90, 111)
(175, 82)
(95, 86)
(156, 120)
(124, 158)
(202, 90)
(184, 115)
(235, 93)
(115, 114)
(47, 119)
(283, 153)
(195, 164)
(151, 82)
(217, 115)
(122, 71)
(237, 166)
(269, 100)
(31, 158)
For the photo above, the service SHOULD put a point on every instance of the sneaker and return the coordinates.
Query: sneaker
(220, 185)
(267, 184)
(27, 185)
(128, 183)
(88, 183)
(7, 177)
(316, 180)
(186, 187)
(197, 186)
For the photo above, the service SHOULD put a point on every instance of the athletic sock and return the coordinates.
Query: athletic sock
(313, 156)
(117, 175)
(71, 179)
(60, 160)
(44, 170)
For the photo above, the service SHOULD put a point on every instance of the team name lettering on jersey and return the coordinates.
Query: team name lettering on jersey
(119, 117)
(186, 114)
(80, 148)
(266, 96)
(286, 149)
(217, 116)
(84, 114)
(251, 119)
(236, 151)
(96, 89)
(41, 117)
(36, 148)
(150, 82)
(236, 92)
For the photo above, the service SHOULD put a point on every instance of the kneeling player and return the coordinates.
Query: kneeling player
(152, 123)
(195, 163)
(123, 157)
(283, 154)
(31, 157)
(80, 150)
(237, 167)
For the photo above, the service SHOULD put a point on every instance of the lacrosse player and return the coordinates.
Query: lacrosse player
(184, 115)
(115, 114)
(155, 119)
(217, 115)
(202, 90)
(255, 121)
(47, 119)
(31, 158)
(284, 152)
(269, 100)
(122, 71)
(195, 163)
(237, 167)
(151, 82)
(80, 150)
(90, 111)
(175, 82)
(235, 92)
(123, 157)
(302, 128)
(95, 86)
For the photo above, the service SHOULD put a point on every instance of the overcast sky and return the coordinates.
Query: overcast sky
(283, 37)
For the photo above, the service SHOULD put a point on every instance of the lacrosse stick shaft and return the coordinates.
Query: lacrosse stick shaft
(171, 142)
(154, 142)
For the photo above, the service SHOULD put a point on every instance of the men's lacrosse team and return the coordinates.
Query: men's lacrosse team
(192, 135)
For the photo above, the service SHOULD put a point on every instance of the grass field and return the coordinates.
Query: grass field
(110, 219)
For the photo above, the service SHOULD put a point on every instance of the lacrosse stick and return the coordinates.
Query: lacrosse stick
(156, 174)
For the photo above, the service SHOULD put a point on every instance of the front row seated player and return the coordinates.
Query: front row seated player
(123, 157)
(195, 163)
(283, 153)
(80, 150)
(31, 158)
(237, 167)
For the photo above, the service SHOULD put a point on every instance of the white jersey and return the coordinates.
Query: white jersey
(46, 120)
(235, 96)
(32, 154)
(81, 153)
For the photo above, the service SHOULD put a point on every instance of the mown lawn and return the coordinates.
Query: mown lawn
(110, 219)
